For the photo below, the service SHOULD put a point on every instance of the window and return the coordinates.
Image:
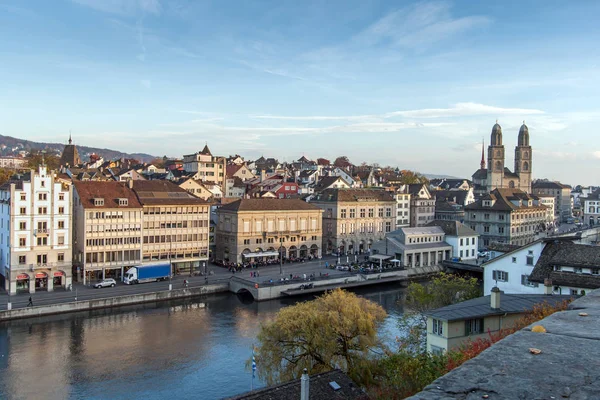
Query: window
(42, 196)
(61, 240)
(343, 213)
(352, 213)
(42, 210)
(486, 229)
(388, 226)
(437, 327)
(42, 259)
(501, 276)
(500, 229)
(362, 213)
(23, 197)
(61, 210)
(529, 259)
(22, 226)
(514, 260)
(501, 217)
(43, 241)
(461, 243)
(123, 202)
(574, 292)
(246, 241)
(61, 224)
(388, 212)
(43, 184)
(61, 196)
(22, 242)
(61, 256)
(461, 254)
(486, 216)
(22, 210)
(473, 326)
(525, 281)
(258, 241)
(577, 270)
(371, 213)
(380, 212)
(98, 202)
(22, 259)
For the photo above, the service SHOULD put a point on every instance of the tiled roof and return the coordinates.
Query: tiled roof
(70, 156)
(481, 306)
(327, 181)
(480, 174)
(457, 196)
(549, 185)
(453, 228)
(320, 389)
(334, 195)
(567, 253)
(503, 201)
(158, 192)
(206, 151)
(110, 191)
(509, 174)
(232, 169)
(266, 204)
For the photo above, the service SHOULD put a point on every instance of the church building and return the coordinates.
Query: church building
(497, 175)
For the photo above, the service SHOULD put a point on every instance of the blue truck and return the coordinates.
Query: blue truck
(147, 273)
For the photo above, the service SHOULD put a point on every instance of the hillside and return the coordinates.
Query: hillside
(12, 146)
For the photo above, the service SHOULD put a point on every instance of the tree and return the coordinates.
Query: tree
(159, 162)
(442, 290)
(342, 162)
(37, 157)
(5, 175)
(412, 177)
(336, 330)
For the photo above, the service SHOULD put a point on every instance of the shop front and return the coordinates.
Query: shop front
(59, 279)
(41, 281)
(22, 283)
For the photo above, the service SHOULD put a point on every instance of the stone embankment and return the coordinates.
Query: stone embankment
(566, 368)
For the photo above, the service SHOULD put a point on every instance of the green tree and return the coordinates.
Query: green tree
(37, 157)
(6, 174)
(442, 290)
(336, 330)
(412, 177)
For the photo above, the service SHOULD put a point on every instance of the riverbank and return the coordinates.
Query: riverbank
(112, 302)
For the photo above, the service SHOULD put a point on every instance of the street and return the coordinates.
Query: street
(220, 274)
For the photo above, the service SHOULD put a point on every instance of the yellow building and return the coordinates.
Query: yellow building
(208, 168)
(255, 229)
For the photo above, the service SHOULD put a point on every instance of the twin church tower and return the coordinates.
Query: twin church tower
(497, 175)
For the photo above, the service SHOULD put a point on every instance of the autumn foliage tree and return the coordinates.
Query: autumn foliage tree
(37, 158)
(412, 177)
(336, 330)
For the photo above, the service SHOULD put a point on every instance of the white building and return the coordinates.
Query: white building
(550, 202)
(35, 233)
(402, 209)
(464, 240)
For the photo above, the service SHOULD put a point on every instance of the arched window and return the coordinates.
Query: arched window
(525, 166)
(511, 184)
(498, 153)
(526, 155)
(498, 166)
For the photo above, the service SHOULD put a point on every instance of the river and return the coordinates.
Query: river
(193, 349)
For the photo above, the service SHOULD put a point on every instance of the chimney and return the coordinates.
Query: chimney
(548, 286)
(130, 183)
(495, 298)
(304, 385)
(263, 175)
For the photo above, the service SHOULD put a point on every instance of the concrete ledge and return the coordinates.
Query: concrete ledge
(566, 368)
(84, 305)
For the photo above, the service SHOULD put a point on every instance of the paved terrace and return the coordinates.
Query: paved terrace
(568, 366)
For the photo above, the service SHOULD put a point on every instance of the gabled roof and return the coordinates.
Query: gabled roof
(503, 201)
(509, 174)
(453, 228)
(354, 194)
(158, 192)
(206, 151)
(265, 204)
(232, 169)
(549, 185)
(326, 181)
(481, 306)
(457, 196)
(110, 191)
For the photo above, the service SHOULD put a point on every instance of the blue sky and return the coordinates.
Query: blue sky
(412, 84)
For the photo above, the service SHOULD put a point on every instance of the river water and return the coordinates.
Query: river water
(193, 349)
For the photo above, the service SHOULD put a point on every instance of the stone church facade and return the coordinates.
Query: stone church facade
(497, 175)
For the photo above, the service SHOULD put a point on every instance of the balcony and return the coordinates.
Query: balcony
(41, 232)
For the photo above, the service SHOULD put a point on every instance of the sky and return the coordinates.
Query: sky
(417, 85)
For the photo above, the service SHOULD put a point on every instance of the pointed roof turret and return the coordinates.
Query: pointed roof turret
(206, 150)
(482, 163)
(70, 155)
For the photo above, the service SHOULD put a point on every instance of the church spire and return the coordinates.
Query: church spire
(482, 163)
(70, 141)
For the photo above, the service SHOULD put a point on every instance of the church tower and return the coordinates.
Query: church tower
(523, 159)
(495, 170)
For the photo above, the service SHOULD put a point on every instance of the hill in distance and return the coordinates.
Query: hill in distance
(12, 146)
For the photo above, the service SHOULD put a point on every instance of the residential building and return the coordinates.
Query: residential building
(591, 208)
(35, 233)
(107, 225)
(506, 216)
(402, 209)
(354, 219)
(448, 210)
(451, 326)
(562, 196)
(449, 184)
(175, 226)
(422, 205)
(464, 240)
(255, 229)
(331, 182)
(415, 247)
(206, 167)
(12, 162)
(235, 187)
(240, 171)
(285, 190)
(550, 202)
(196, 188)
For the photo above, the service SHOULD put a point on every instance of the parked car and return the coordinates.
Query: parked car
(483, 253)
(105, 283)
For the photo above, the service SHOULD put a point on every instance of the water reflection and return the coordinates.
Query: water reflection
(184, 349)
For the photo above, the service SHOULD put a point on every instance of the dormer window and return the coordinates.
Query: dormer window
(98, 202)
(123, 202)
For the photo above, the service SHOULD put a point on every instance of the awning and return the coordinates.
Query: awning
(380, 257)
(261, 254)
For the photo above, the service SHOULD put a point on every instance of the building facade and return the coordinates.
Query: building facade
(591, 208)
(506, 216)
(498, 175)
(206, 167)
(422, 205)
(402, 209)
(464, 240)
(353, 219)
(107, 225)
(35, 233)
(258, 229)
(175, 226)
(562, 197)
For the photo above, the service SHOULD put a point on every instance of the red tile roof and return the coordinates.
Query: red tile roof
(111, 192)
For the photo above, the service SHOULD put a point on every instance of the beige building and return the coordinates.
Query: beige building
(107, 225)
(563, 209)
(257, 229)
(175, 225)
(207, 168)
(196, 188)
(354, 219)
(422, 205)
(506, 216)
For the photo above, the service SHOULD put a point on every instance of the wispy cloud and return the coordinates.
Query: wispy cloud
(123, 7)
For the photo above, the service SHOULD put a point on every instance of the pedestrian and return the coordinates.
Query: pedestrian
(30, 304)
(257, 274)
